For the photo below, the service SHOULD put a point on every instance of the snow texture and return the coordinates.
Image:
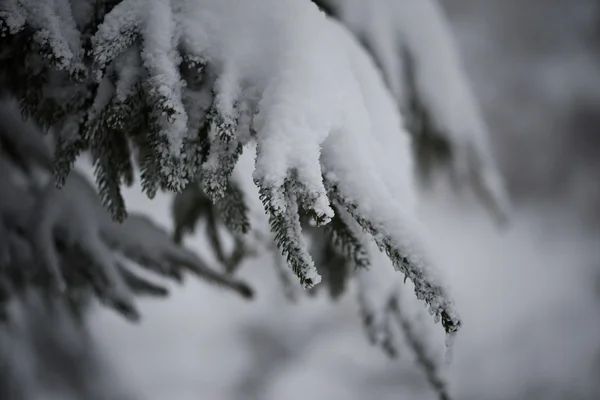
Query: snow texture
(300, 90)
(415, 32)
(420, 27)
(55, 30)
(373, 174)
(320, 104)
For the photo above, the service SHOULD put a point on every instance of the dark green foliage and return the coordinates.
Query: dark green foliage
(418, 346)
(239, 253)
(141, 286)
(333, 266)
(69, 145)
(112, 160)
(233, 210)
(337, 250)
(193, 205)
(402, 260)
(343, 252)
(282, 208)
(326, 7)
(61, 242)
(223, 154)
(346, 240)
(187, 209)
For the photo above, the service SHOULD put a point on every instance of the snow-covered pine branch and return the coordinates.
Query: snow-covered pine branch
(64, 239)
(394, 323)
(190, 86)
(413, 47)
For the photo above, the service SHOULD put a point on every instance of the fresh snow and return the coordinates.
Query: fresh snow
(322, 108)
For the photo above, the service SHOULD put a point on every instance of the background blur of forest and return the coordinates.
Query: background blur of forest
(530, 297)
(535, 68)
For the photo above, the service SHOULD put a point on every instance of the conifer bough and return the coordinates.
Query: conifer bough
(173, 82)
(184, 90)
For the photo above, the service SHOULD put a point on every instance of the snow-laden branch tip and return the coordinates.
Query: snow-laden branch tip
(372, 176)
(414, 48)
(55, 30)
(394, 323)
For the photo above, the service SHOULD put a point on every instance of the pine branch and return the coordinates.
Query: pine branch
(141, 286)
(111, 158)
(233, 209)
(224, 152)
(336, 272)
(404, 54)
(187, 209)
(375, 319)
(330, 260)
(417, 345)
(185, 102)
(282, 207)
(51, 27)
(407, 260)
(213, 237)
(345, 238)
(77, 242)
(69, 145)
(238, 255)
(139, 239)
(192, 205)
(288, 285)
(118, 31)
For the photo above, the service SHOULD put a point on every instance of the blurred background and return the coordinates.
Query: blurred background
(530, 296)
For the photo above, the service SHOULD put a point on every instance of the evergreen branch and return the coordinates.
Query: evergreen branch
(52, 28)
(345, 238)
(282, 207)
(431, 146)
(213, 237)
(141, 286)
(54, 205)
(119, 30)
(224, 152)
(69, 145)
(331, 262)
(327, 7)
(285, 277)
(416, 344)
(335, 270)
(112, 162)
(410, 264)
(187, 208)
(233, 209)
(142, 241)
(239, 253)
(375, 319)
(12, 18)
